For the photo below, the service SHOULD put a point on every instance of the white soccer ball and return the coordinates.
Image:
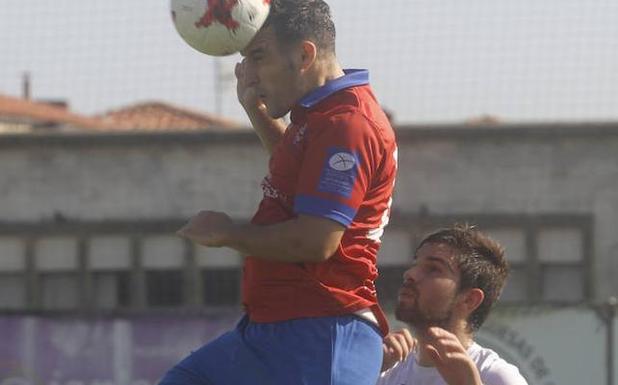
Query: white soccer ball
(219, 27)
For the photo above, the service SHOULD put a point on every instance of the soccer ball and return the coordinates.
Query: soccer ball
(219, 27)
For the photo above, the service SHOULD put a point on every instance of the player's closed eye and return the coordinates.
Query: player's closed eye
(257, 56)
(429, 267)
(426, 267)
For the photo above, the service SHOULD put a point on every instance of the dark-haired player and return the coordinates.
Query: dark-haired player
(312, 316)
(457, 276)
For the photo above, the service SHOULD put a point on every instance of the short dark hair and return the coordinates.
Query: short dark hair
(481, 264)
(298, 20)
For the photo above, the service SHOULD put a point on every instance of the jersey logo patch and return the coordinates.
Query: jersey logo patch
(342, 161)
(339, 173)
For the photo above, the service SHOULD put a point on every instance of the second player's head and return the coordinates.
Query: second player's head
(292, 53)
(457, 276)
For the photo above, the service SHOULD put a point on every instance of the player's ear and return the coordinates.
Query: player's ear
(308, 55)
(473, 298)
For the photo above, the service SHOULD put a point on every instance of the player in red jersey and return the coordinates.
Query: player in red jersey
(312, 315)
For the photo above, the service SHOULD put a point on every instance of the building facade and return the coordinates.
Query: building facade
(88, 220)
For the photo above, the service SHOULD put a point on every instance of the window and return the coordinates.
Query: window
(394, 258)
(220, 274)
(514, 241)
(12, 273)
(164, 288)
(109, 261)
(56, 264)
(163, 260)
(12, 291)
(221, 287)
(561, 261)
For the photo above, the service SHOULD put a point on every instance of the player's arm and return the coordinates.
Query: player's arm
(269, 130)
(327, 199)
(303, 239)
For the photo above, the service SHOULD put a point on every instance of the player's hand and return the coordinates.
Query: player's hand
(208, 228)
(450, 358)
(246, 90)
(396, 346)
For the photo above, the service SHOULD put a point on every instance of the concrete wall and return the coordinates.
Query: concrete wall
(128, 177)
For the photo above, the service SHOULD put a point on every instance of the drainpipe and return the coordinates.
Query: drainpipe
(612, 305)
(607, 313)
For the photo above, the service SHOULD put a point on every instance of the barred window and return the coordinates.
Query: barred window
(12, 273)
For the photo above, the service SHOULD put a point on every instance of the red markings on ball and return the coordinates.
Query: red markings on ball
(219, 11)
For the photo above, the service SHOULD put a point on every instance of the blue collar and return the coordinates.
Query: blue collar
(351, 78)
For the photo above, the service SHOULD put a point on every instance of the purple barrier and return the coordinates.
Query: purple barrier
(135, 350)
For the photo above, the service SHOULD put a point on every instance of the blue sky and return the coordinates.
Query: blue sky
(430, 60)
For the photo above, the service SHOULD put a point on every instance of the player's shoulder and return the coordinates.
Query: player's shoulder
(348, 115)
(494, 369)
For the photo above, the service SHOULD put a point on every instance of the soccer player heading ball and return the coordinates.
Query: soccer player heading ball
(311, 312)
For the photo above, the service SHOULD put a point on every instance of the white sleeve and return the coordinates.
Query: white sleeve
(502, 373)
(391, 376)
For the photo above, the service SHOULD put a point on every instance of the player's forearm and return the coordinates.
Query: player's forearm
(288, 241)
(269, 130)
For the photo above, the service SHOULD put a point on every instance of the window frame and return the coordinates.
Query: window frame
(420, 224)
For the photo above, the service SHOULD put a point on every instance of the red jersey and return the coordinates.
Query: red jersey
(336, 160)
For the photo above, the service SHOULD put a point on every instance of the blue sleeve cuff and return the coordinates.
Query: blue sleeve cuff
(335, 211)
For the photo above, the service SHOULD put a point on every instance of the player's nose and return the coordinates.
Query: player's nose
(410, 275)
(250, 72)
(407, 276)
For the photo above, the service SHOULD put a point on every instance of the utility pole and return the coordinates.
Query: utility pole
(25, 86)
(218, 87)
(224, 78)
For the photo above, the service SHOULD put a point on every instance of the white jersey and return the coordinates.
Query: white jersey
(493, 369)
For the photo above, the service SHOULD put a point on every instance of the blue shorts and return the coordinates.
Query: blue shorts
(344, 350)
